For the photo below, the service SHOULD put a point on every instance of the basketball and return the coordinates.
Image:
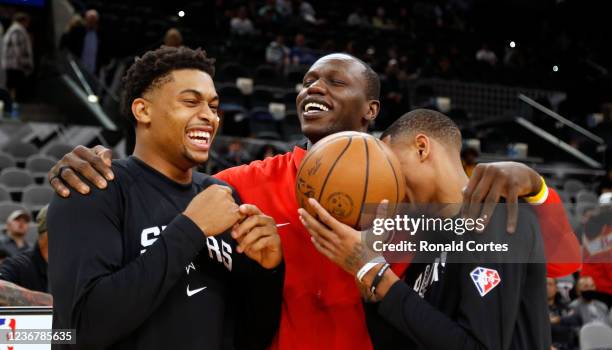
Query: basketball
(347, 170)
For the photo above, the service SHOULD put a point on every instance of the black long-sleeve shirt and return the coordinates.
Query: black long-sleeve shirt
(444, 305)
(128, 271)
(27, 269)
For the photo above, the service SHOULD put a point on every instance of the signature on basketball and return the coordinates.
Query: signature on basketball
(313, 170)
(305, 189)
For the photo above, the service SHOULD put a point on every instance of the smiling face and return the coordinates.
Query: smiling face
(334, 98)
(177, 118)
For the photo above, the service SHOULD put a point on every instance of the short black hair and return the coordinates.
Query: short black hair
(150, 70)
(425, 121)
(372, 79)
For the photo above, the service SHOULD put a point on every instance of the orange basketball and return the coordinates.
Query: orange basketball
(346, 171)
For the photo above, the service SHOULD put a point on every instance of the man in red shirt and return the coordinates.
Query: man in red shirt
(321, 304)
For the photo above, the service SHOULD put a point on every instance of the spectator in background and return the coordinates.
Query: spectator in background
(300, 53)
(563, 323)
(236, 154)
(17, 56)
(91, 42)
(486, 55)
(83, 40)
(173, 38)
(596, 247)
(29, 269)
(283, 7)
(241, 24)
(72, 39)
(605, 185)
(269, 10)
(358, 19)
(588, 309)
(393, 86)
(268, 18)
(3, 255)
(468, 158)
(17, 225)
(307, 12)
(277, 53)
(379, 21)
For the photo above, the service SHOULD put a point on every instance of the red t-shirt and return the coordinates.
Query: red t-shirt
(321, 303)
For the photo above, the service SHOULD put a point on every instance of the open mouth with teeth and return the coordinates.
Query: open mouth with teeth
(199, 138)
(313, 107)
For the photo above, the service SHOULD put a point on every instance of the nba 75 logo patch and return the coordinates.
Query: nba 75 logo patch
(485, 279)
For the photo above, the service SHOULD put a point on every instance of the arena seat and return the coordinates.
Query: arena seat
(6, 161)
(57, 150)
(596, 336)
(231, 71)
(572, 186)
(262, 96)
(266, 74)
(263, 125)
(15, 179)
(5, 195)
(586, 196)
(20, 150)
(36, 196)
(39, 165)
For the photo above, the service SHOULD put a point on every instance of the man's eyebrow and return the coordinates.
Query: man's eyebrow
(192, 91)
(199, 94)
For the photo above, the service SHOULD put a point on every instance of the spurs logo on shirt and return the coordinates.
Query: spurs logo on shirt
(430, 275)
(218, 249)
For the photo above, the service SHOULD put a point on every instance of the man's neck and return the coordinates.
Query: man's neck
(449, 188)
(166, 167)
(19, 241)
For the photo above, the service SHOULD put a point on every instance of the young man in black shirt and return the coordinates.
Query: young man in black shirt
(149, 263)
(445, 300)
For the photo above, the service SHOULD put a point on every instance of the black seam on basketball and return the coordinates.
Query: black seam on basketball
(331, 169)
(393, 170)
(311, 153)
(367, 171)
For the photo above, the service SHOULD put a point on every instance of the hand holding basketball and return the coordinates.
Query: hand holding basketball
(339, 242)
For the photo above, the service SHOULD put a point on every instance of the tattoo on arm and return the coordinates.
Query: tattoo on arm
(356, 258)
(14, 295)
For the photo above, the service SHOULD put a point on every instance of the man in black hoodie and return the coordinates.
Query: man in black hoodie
(152, 263)
(448, 298)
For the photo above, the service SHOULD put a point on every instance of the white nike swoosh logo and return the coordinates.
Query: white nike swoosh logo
(195, 291)
(281, 225)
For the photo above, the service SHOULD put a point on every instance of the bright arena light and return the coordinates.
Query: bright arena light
(555, 68)
(181, 14)
(512, 44)
(92, 98)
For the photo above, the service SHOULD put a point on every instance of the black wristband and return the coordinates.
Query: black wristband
(378, 278)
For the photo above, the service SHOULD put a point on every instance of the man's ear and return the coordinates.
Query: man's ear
(423, 146)
(373, 110)
(141, 109)
(386, 140)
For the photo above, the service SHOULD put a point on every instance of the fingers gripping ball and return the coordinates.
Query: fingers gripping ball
(346, 171)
